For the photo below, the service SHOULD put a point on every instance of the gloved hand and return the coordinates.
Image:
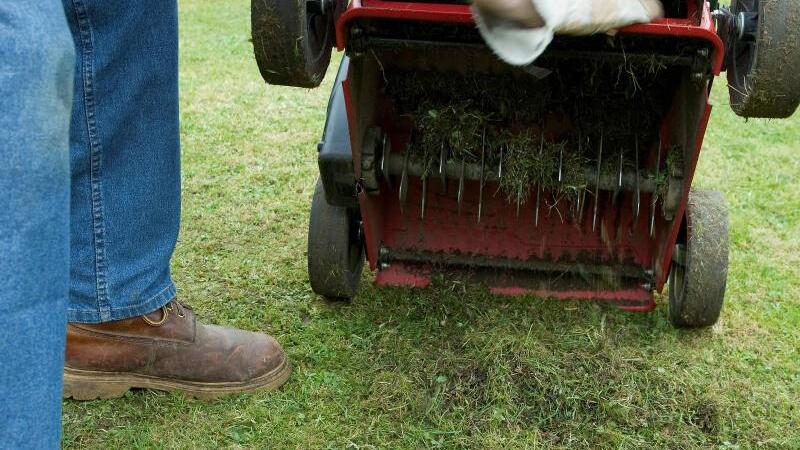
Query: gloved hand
(520, 30)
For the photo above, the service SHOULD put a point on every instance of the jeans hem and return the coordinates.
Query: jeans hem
(164, 296)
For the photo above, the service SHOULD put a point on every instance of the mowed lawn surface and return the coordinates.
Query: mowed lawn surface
(451, 366)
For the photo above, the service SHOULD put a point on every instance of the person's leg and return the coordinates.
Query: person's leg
(125, 328)
(125, 157)
(36, 63)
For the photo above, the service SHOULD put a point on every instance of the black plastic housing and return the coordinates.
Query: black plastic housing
(335, 155)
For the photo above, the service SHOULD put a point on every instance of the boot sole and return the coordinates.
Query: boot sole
(91, 385)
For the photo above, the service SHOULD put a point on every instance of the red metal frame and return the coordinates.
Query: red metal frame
(445, 233)
(689, 27)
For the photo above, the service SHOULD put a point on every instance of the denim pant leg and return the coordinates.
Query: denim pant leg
(124, 157)
(36, 63)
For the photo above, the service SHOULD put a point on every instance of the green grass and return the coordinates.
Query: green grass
(452, 366)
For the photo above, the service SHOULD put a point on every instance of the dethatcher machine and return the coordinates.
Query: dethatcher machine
(569, 178)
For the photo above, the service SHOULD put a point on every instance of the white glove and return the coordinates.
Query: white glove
(506, 24)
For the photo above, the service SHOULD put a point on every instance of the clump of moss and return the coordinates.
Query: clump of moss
(526, 165)
(459, 127)
(531, 162)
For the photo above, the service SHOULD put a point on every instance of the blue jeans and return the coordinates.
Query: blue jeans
(124, 154)
(89, 186)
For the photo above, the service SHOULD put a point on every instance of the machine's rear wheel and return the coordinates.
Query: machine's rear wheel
(764, 57)
(292, 40)
(700, 262)
(335, 248)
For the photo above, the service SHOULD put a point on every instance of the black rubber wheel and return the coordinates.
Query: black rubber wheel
(335, 248)
(699, 267)
(292, 40)
(764, 58)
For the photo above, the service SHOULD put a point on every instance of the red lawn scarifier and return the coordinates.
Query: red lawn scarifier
(569, 178)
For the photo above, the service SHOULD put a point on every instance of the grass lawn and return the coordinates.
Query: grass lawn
(452, 366)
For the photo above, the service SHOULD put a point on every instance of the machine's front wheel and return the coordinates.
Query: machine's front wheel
(335, 248)
(700, 262)
(763, 57)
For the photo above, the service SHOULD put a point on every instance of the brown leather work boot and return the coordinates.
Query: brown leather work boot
(169, 350)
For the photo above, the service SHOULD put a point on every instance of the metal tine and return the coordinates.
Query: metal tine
(581, 206)
(636, 198)
(619, 183)
(582, 197)
(560, 163)
(500, 166)
(597, 183)
(461, 184)
(384, 169)
(442, 168)
(404, 183)
(539, 186)
(655, 195)
(424, 197)
(483, 167)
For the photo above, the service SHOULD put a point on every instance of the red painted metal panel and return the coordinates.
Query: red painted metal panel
(369, 211)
